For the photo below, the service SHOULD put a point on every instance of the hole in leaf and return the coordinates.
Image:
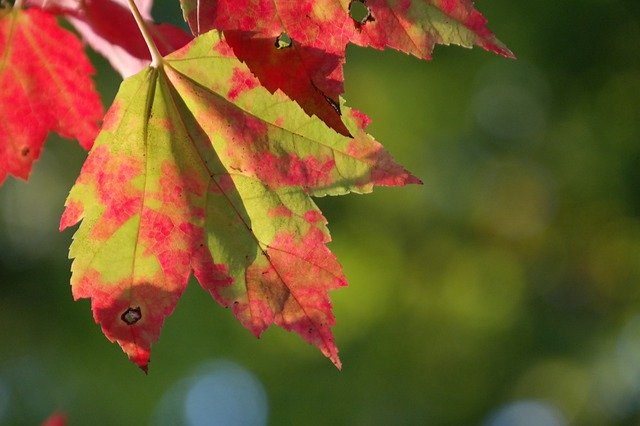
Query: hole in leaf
(131, 316)
(359, 12)
(283, 41)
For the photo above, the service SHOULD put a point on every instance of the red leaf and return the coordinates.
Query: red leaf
(56, 419)
(46, 86)
(300, 72)
(109, 28)
(309, 70)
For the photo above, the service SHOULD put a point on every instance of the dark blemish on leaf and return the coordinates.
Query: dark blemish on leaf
(360, 12)
(131, 315)
(25, 151)
(283, 41)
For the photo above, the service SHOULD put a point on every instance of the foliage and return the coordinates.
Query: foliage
(207, 158)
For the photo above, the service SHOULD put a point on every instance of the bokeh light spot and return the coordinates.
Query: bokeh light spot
(482, 289)
(513, 199)
(559, 381)
(527, 413)
(511, 103)
(226, 394)
(628, 354)
(509, 112)
(217, 393)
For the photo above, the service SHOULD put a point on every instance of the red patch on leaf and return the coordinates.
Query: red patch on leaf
(176, 184)
(112, 117)
(241, 81)
(280, 211)
(291, 170)
(362, 119)
(222, 183)
(72, 215)
(313, 216)
(114, 178)
(212, 276)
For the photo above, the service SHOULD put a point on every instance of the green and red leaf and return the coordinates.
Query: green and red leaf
(310, 68)
(46, 86)
(200, 168)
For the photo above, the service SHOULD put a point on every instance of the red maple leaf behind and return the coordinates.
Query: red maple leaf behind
(56, 419)
(46, 85)
(110, 29)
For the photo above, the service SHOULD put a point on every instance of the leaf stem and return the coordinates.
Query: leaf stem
(156, 57)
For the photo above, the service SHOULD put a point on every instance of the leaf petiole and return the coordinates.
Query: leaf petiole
(156, 57)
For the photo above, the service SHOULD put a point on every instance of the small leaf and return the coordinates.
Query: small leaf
(46, 86)
(198, 167)
(56, 419)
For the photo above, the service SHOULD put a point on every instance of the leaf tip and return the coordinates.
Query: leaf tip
(496, 46)
(72, 215)
(506, 52)
(414, 180)
(335, 359)
(140, 358)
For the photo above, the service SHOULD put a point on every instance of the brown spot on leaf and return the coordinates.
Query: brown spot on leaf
(131, 315)
(25, 151)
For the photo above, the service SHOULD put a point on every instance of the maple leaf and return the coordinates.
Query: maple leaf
(46, 86)
(117, 37)
(198, 167)
(308, 65)
(56, 419)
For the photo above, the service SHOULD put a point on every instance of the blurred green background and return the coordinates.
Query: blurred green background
(504, 291)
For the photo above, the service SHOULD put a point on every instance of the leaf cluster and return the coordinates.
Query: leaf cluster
(207, 159)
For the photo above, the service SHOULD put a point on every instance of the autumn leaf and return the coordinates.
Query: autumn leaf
(299, 46)
(109, 28)
(198, 167)
(56, 419)
(46, 86)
